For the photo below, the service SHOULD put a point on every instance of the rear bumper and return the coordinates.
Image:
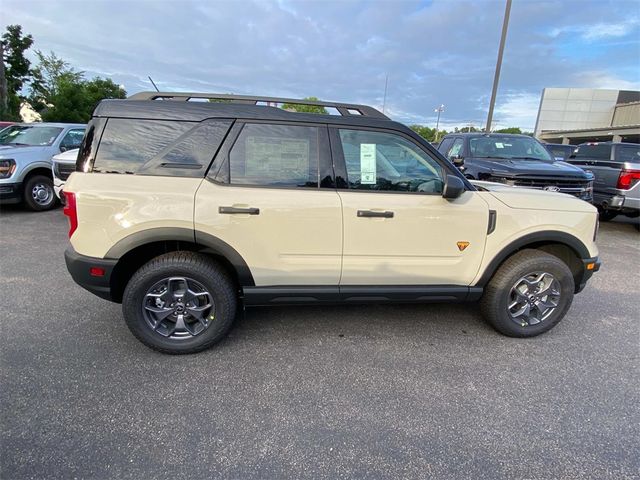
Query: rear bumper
(10, 192)
(587, 272)
(80, 266)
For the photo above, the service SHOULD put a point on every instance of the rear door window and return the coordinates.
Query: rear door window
(275, 156)
(597, 151)
(629, 153)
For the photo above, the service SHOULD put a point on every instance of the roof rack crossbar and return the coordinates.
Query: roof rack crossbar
(345, 109)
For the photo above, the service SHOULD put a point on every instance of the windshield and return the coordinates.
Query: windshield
(29, 135)
(525, 148)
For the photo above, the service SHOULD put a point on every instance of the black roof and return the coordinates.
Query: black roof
(198, 111)
(482, 134)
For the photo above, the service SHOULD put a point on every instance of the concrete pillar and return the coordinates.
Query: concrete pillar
(617, 138)
(565, 141)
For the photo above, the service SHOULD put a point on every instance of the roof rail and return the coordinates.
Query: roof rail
(345, 109)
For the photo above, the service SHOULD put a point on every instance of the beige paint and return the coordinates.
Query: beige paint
(298, 237)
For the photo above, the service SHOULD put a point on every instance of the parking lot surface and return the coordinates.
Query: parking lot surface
(409, 391)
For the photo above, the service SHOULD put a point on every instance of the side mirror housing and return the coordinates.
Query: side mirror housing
(453, 187)
(63, 148)
(458, 161)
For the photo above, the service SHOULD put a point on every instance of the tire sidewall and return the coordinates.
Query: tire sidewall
(132, 306)
(28, 199)
(564, 277)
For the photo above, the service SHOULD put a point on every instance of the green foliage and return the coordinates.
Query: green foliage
(306, 108)
(48, 77)
(509, 130)
(14, 71)
(74, 101)
(428, 133)
(470, 129)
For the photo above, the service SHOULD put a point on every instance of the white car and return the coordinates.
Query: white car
(63, 165)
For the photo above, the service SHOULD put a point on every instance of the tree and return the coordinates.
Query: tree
(306, 108)
(427, 133)
(74, 101)
(509, 130)
(47, 77)
(15, 70)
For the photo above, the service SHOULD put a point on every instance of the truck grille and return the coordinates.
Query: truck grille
(579, 188)
(63, 170)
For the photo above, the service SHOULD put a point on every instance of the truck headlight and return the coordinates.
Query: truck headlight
(7, 167)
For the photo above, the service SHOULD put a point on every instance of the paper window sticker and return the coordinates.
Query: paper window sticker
(499, 145)
(368, 163)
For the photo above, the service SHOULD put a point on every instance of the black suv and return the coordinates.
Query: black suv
(516, 160)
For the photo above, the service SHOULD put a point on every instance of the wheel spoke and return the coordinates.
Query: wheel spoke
(160, 313)
(533, 298)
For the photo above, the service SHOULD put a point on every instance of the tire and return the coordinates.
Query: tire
(524, 268)
(39, 194)
(203, 276)
(606, 215)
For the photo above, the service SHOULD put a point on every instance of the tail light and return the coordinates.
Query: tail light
(627, 179)
(70, 211)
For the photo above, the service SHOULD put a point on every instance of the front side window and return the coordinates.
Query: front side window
(510, 148)
(73, 139)
(275, 156)
(456, 149)
(380, 161)
(27, 135)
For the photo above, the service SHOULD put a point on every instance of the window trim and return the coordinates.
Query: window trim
(222, 175)
(341, 167)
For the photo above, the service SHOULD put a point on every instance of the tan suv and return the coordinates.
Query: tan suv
(185, 211)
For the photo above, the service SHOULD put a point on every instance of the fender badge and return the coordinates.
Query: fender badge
(462, 245)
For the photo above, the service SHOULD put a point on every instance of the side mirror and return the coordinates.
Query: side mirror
(453, 187)
(63, 148)
(458, 161)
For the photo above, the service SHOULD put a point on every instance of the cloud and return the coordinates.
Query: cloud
(433, 52)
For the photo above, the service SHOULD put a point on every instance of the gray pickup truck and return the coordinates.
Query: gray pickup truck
(25, 160)
(616, 166)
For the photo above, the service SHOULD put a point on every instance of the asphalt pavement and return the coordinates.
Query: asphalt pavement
(408, 391)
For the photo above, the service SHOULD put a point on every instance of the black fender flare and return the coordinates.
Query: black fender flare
(211, 242)
(546, 236)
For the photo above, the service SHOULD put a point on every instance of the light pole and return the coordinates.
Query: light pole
(439, 109)
(496, 77)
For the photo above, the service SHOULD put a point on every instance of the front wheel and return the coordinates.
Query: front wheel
(39, 194)
(180, 302)
(528, 295)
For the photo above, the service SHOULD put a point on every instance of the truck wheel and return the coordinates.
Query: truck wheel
(179, 302)
(607, 215)
(528, 295)
(39, 194)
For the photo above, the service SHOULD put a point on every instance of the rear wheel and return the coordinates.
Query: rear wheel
(180, 302)
(529, 294)
(607, 215)
(39, 194)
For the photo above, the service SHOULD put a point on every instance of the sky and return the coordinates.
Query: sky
(433, 52)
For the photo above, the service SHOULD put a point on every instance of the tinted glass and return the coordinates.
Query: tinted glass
(29, 135)
(72, 139)
(445, 145)
(456, 149)
(629, 153)
(599, 151)
(496, 146)
(128, 144)
(388, 162)
(275, 155)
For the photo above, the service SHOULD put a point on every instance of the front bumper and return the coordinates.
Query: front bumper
(10, 192)
(80, 266)
(589, 267)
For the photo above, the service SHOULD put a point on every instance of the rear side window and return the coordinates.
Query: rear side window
(601, 151)
(127, 144)
(275, 156)
(629, 153)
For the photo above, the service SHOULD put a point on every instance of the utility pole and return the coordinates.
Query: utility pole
(4, 100)
(384, 101)
(439, 109)
(496, 77)
(153, 83)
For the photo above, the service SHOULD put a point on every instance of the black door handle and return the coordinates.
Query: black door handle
(234, 210)
(373, 213)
